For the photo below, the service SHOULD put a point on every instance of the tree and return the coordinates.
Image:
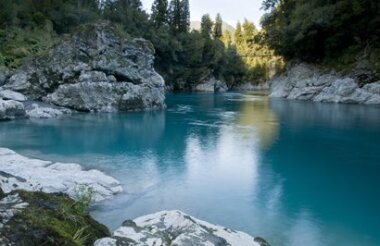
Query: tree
(238, 34)
(249, 31)
(316, 30)
(175, 15)
(159, 15)
(206, 26)
(184, 16)
(218, 31)
(227, 38)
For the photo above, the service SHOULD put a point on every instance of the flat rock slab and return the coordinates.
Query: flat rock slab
(19, 172)
(176, 228)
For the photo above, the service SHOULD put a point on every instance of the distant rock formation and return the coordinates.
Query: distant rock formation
(95, 69)
(307, 82)
(211, 85)
(176, 228)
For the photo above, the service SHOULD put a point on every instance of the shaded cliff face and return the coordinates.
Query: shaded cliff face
(94, 69)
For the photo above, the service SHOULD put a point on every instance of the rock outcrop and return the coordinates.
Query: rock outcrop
(211, 85)
(95, 69)
(306, 82)
(19, 172)
(176, 228)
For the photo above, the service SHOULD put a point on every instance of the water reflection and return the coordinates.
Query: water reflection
(255, 112)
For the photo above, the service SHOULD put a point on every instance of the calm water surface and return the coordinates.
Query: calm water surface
(295, 173)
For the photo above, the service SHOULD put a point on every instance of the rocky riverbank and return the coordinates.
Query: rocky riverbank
(45, 203)
(307, 82)
(95, 69)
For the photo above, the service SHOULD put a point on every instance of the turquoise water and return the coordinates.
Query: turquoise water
(295, 173)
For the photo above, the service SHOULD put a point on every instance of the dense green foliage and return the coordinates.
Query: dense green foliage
(259, 60)
(184, 57)
(52, 219)
(320, 30)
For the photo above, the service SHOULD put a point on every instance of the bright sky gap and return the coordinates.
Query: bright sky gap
(232, 11)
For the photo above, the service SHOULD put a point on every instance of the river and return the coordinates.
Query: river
(295, 173)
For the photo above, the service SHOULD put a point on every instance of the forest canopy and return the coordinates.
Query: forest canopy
(184, 57)
(316, 30)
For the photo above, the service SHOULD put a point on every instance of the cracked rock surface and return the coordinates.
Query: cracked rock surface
(176, 228)
(20, 172)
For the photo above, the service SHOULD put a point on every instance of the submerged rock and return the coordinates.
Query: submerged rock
(306, 82)
(19, 172)
(95, 69)
(10, 110)
(176, 228)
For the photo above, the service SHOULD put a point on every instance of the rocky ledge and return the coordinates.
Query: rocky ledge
(94, 69)
(176, 228)
(21, 173)
(306, 82)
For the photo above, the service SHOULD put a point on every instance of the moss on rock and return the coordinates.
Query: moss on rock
(52, 219)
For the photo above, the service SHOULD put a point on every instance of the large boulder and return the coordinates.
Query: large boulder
(10, 110)
(307, 82)
(94, 69)
(19, 172)
(176, 228)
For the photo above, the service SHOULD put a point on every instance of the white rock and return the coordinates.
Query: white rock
(10, 110)
(12, 95)
(18, 82)
(373, 88)
(19, 172)
(43, 112)
(176, 228)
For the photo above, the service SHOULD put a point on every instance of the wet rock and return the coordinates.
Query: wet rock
(176, 228)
